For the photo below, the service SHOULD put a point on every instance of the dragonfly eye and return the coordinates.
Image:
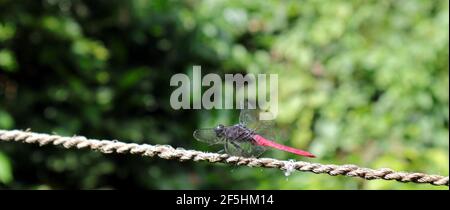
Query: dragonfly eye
(219, 128)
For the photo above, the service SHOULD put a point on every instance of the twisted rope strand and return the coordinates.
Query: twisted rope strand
(180, 154)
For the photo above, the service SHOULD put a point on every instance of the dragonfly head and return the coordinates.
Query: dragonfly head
(219, 129)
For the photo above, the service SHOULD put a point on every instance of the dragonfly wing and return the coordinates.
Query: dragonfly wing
(245, 149)
(265, 128)
(232, 149)
(250, 118)
(253, 150)
(207, 135)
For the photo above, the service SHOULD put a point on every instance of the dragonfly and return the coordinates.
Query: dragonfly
(249, 138)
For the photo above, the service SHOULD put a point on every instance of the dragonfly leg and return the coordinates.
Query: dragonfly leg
(236, 145)
(227, 149)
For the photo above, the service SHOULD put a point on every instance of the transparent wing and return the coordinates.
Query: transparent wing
(245, 149)
(266, 129)
(250, 118)
(232, 149)
(207, 135)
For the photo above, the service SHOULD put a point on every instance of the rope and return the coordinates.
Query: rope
(180, 154)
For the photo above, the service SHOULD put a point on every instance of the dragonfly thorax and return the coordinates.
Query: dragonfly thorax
(236, 132)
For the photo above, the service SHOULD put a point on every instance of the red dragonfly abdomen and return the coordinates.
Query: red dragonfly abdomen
(267, 143)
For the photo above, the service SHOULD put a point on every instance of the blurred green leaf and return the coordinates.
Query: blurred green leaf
(7, 60)
(7, 31)
(5, 169)
(6, 121)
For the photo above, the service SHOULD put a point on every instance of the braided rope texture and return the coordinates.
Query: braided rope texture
(180, 154)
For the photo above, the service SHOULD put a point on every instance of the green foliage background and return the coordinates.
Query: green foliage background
(361, 82)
